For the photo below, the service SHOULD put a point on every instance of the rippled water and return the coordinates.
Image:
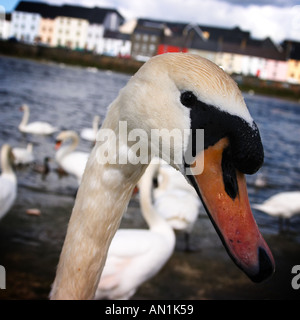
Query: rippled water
(69, 97)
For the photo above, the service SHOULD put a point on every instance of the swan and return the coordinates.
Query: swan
(176, 200)
(37, 127)
(159, 113)
(283, 205)
(90, 133)
(23, 156)
(73, 162)
(136, 255)
(8, 181)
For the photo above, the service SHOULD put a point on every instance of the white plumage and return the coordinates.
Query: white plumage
(91, 133)
(8, 181)
(73, 162)
(176, 200)
(37, 127)
(23, 156)
(284, 205)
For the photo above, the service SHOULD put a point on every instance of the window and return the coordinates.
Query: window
(152, 47)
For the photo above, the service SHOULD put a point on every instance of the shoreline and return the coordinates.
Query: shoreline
(247, 84)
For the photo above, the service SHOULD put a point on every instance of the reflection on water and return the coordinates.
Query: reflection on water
(69, 97)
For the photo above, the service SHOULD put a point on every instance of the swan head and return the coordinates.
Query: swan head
(65, 136)
(189, 93)
(24, 107)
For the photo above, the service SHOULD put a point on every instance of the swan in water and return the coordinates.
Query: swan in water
(176, 200)
(171, 96)
(37, 127)
(136, 255)
(283, 205)
(8, 181)
(23, 156)
(90, 133)
(72, 162)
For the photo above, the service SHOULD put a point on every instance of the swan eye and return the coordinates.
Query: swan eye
(188, 99)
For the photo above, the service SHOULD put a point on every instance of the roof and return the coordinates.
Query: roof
(292, 49)
(93, 15)
(116, 35)
(234, 35)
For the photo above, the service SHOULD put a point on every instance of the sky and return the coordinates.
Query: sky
(277, 19)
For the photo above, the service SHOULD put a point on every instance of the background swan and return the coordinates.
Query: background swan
(8, 181)
(176, 200)
(283, 205)
(136, 255)
(73, 162)
(37, 127)
(23, 156)
(90, 133)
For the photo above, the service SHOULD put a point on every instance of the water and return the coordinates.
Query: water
(69, 97)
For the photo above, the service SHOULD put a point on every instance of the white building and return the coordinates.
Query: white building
(4, 24)
(115, 44)
(25, 26)
(69, 26)
(70, 32)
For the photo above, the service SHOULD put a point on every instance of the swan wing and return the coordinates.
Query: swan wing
(74, 163)
(39, 127)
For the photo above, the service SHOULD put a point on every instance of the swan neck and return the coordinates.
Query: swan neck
(96, 124)
(101, 200)
(25, 118)
(67, 149)
(153, 219)
(6, 163)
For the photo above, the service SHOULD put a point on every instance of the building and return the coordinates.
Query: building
(69, 26)
(116, 44)
(146, 38)
(25, 22)
(292, 51)
(5, 22)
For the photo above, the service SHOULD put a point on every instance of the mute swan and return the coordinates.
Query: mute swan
(73, 162)
(283, 205)
(171, 93)
(8, 181)
(90, 133)
(136, 255)
(176, 200)
(23, 156)
(37, 127)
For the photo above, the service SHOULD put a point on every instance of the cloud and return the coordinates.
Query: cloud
(278, 19)
(277, 3)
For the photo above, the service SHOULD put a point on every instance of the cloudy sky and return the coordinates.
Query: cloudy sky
(278, 19)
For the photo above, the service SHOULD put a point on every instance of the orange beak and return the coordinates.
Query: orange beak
(224, 193)
(58, 144)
